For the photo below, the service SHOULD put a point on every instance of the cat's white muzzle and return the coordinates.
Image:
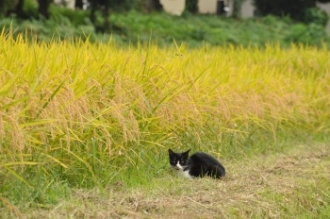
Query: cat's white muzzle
(178, 166)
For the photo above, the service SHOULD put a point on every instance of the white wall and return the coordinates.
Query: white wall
(247, 9)
(175, 7)
(207, 6)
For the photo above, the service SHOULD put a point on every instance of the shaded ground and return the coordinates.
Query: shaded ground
(286, 185)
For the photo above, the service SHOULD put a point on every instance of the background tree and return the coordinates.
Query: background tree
(295, 9)
(43, 7)
(104, 6)
(192, 6)
(79, 4)
(151, 5)
(6, 6)
(237, 6)
(19, 9)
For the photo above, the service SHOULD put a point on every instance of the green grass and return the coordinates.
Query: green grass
(293, 183)
(76, 115)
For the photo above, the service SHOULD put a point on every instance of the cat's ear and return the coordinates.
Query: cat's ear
(170, 152)
(186, 152)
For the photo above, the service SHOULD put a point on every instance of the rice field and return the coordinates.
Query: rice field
(90, 115)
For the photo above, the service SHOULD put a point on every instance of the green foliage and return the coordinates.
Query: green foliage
(30, 9)
(317, 16)
(237, 8)
(134, 27)
(123, 5)
(307, 34)
(193, 30)
(76, 17)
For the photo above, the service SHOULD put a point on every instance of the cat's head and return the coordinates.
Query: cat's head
(178, 160)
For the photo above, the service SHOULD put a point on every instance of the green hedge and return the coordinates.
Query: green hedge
(194, 30)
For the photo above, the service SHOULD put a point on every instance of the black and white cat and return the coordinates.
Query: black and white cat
(197, 165)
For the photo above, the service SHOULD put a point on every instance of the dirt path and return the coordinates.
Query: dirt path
(275, 186)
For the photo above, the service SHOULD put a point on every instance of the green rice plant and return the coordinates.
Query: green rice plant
(88, 115)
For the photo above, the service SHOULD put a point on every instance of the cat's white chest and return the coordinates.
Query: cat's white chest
(185, 174)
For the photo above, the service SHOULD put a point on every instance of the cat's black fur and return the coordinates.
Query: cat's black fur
(197, 165)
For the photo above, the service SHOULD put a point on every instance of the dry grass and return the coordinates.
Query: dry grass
(69, 93)
(271, 186)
